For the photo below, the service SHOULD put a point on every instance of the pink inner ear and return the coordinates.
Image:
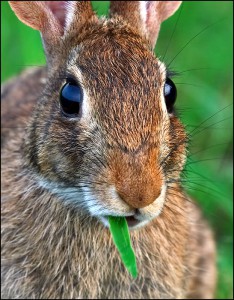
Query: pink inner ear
(58, 8)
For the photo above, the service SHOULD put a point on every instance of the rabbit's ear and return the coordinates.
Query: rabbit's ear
(52, 18)
(146, 16)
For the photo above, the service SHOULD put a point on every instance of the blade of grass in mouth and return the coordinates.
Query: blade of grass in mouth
(120, 234)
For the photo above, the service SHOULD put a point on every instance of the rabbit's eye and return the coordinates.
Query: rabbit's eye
(71, 99)
(170, 94)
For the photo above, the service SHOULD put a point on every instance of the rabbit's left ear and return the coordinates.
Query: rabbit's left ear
(146, 16)
(53, 18)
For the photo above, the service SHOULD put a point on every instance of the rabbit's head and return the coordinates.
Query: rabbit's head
(104, 136)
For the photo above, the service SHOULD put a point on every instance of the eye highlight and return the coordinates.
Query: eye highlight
(170, 94)
(71, 97)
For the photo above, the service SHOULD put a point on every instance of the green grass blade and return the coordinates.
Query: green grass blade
(121, 238)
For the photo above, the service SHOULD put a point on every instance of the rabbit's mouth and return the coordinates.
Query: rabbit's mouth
(116, 207)
(132, 221)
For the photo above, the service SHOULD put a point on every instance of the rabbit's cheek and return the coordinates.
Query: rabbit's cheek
(106, 202)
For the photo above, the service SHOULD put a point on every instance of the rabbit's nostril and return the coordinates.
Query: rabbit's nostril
(137, 211)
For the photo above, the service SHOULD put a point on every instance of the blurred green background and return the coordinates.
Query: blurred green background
(204, 103)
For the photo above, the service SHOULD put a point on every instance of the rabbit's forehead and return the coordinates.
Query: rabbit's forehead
(107, 56)
(114, 70)
(124, 84)
(119, 53)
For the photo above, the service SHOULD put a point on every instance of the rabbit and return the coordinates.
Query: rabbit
(94, 133)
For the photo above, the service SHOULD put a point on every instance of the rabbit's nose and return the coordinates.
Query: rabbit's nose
(137, 179)
(139, 195)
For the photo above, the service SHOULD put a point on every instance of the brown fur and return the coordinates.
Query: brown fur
(117, 156)
(52, 252)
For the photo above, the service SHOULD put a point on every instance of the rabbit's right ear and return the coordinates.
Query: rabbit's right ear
(52, 18)
(145, 16)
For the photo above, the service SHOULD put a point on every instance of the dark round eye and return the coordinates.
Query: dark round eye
(170, 94)
(71, 97)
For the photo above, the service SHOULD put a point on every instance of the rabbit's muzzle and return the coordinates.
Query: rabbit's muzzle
(138, 180)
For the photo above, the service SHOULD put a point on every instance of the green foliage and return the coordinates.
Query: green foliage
(21, 45)
(121, 237)
(204, 103)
